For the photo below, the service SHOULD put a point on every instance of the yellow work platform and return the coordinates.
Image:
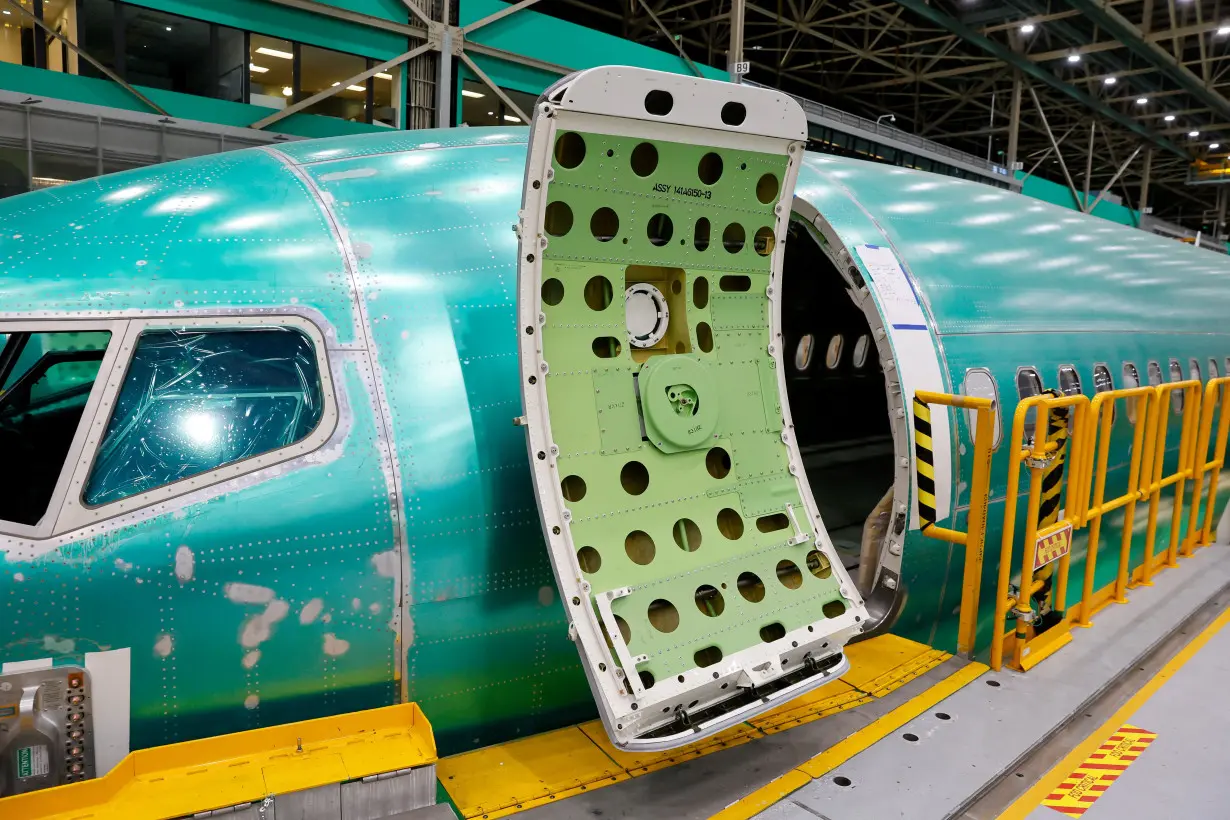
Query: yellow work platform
(246, 767)
(500, 780)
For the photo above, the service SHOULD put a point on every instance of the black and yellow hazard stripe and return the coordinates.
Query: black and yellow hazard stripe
(1052, 497)
(924, 464)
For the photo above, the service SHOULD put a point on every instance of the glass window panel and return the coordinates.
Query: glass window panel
(194, 400)
(51, 170)
(1069, 380)
(96, 30)
(1104, 382)
(61, 16)
(17, 39)
(270, 71)
(480, 105)
(168, 51)
(1131, 378)
(47, 381)
(1176, 396)
(382, 98)
(13, 172)
(980, 383)
(320, 69)
(1029, 383)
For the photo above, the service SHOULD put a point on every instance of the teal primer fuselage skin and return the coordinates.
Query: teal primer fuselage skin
(405, 550)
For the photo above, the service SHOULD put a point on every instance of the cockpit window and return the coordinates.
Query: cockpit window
(195, 400)
(47, 381)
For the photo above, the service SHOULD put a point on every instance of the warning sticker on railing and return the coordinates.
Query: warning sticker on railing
(1053, 544)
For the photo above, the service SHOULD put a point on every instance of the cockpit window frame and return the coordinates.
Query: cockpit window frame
(67, 511)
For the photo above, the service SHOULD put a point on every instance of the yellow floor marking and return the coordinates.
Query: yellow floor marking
(1090, 780)
(829, 759)
(183, 779)
(549, 767)
(1053, 779)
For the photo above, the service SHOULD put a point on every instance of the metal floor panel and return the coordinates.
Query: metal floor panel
(1182, 773)
(990, 728)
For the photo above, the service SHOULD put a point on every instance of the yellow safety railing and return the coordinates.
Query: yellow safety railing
(1044, 456)
(1101, 416)
(1199, 533)
(1152, 482)
(974, 538)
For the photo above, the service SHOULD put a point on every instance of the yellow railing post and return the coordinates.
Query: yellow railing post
(974, 539)
(1210, 406)
(1153, 482)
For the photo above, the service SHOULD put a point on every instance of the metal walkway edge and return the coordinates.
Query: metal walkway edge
(359, 766)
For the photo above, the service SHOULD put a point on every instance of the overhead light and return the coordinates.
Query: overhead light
(1142, 100)
(356, 88)
(383, 76)
(474, 95)
(1193, 133)
(1110, 80)
(1169, 118)
(287, 91)
(512, 118)
(1028, 28)
(1223, 30)
(1214, 146)
(6, 11)
(1074, 58)
(168, 28)
(273, 52)
(257, 69)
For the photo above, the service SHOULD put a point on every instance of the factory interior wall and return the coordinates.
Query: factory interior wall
(38, 82)
(544, 38)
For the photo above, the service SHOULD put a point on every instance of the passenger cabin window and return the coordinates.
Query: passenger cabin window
(1103, 382)
(1176, 396)
(832, 356)
(1213, 369)
(1028, 383)
(980, 383)
(1069, 381)
(802, 353)
(860, 350)
(1131, 378)
(47, 379)
(1155, 374)
(195, 400)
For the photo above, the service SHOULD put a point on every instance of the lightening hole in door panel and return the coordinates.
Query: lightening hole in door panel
(647, 680)
(558, 220)
(663, 616)
(710, 601)
(604, 224)
(772, 523)
(751, 587)
(639, 547)
(589, 559)
(772, 632)
(625, 631)
(717, 462)
(598, 293)
(687, 535)
(700, 237)
(833, 609)
(735, 284)
(553, 292)
(660, 229)
(644, 159)
(763, 241)
(700, 292)
(708, 656)
(789, 574)
(730, 524)
(659, 102)
(606, 347)
(710, 168)
(818, 564)
(767, 188)
(570, 150)
(634, 478)
(734, 113)
(573, 487)
(704, 337)
(734, 238)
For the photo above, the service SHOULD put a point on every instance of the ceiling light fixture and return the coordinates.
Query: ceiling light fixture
(1142, 100)
(356, 88)
(512, 118)
(1110, 80)
(474, 95)
(1074, 58)
(1028, 28)
(257, 69)
(287, 91)
(383, 76)
(273, 52)
(1214, 145)
(1223, 30)
(1193, 133)
(1169, 118)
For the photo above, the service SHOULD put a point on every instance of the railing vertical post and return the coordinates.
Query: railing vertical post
(1101, 444)
(1219, 461)
(1187, 453)
(975, 543)
(1207, 408)
(1024, 598)
(1140, 451)
(1002, 598)
(1155, 453)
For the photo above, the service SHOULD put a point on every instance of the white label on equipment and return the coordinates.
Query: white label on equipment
(32, 762)
(897, 296)
(743, 68)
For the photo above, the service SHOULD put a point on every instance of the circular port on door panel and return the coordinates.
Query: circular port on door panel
(646, 314)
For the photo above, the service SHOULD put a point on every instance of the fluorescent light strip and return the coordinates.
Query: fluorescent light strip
(273, 52)
(257, 69)
(474, 95)
(383, 76)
